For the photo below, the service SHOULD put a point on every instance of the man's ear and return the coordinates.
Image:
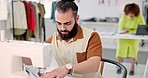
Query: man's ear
(77, 18)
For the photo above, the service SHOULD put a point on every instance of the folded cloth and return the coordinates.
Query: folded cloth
(34, 72)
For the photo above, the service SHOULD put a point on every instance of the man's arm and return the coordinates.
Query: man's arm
(88, 66)
(91, 65)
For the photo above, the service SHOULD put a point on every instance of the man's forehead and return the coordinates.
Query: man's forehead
(63, 17)
(63, 22)
(68, 13)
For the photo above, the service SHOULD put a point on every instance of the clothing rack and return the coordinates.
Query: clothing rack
(13, 29)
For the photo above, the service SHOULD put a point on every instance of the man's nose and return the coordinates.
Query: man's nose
(63, 27)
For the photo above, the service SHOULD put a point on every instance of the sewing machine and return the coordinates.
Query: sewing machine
(11, 57)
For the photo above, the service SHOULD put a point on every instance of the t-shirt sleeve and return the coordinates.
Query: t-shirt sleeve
(49, 40)
(94, 46)
(121, 24)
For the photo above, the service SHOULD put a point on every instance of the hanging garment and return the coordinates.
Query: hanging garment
(30, 15)
(41, 21)
(3, 10)
(36, 31)
(19, 16)
(16, 20)
(53, 10)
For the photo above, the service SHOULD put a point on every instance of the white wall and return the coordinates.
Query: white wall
(50, 27)
(91, 8)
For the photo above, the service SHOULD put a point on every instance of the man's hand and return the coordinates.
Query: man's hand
(60, 72)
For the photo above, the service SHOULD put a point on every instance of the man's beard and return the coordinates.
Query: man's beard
(70, 34)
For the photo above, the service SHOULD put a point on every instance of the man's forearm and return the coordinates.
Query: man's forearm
(88, 66)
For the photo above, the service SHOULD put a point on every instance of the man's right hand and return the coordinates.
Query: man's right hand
(60, 72)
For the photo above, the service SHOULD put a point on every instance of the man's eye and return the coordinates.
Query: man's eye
(67, 24)
(58, 23)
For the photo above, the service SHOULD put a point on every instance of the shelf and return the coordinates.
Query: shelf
(99, 23)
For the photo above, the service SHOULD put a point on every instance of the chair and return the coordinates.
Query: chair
(146, 69)
(103, 60)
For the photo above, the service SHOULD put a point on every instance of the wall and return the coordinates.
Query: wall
(50, 27)
(91, 8)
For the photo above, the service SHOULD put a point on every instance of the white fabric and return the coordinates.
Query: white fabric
(3, 10)
(20, 21)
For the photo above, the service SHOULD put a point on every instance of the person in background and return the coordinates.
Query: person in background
(77, 50)
(128, 23)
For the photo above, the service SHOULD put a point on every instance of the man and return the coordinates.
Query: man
(77, 50)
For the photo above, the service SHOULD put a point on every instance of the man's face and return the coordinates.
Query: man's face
(66, 24)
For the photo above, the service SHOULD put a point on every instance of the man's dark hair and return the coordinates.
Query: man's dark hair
(65, 5)
(132, 8)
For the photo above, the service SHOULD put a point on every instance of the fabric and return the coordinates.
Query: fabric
(84, 45)
(129, 47)
(36, 31)
(30, 15)
(41, 21)
(31, 71)
(19, 21)
(18, 31)
(3, 10)
(53, 10)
